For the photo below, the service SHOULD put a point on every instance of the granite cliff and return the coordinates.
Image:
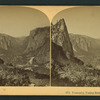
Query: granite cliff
(86, 48)
(60, 37)
(37, 44)
(21, 49)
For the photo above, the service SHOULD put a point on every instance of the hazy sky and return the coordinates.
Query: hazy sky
(81, 20)
(18, 21)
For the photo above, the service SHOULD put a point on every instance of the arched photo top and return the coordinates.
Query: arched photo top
(83, 20)
(18, 21)
(24, 47)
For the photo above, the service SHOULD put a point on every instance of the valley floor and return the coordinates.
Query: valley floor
(12, 76)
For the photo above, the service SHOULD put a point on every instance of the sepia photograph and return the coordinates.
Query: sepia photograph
(75, 47)
(24, 47)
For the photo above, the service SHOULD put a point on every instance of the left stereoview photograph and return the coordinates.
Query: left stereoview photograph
(24, 47)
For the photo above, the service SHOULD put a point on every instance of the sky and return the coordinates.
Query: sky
(50, 11)
(81, 20)
(19, 21)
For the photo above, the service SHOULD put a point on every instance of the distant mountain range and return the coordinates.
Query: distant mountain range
(37, 45)
(86, 48)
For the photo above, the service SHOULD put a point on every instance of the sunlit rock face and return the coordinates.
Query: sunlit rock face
(5, 42)
(60, 36)
(37, 38)
(37, 44)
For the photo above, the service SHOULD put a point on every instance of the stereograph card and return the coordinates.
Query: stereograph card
(49, 50)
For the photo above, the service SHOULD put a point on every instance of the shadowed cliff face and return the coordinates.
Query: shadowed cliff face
(59, 35)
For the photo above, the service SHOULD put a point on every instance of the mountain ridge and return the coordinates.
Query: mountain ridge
(86, 48)
(26, 46)
(59, 35)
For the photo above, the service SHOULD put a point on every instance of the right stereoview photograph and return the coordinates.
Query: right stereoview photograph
(75, 47)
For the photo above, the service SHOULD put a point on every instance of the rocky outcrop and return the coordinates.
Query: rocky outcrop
(5, 42)
(59, 35)
(37, 38)
(80, 42)
(38, 45)
(8, 42)
(84, 43)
